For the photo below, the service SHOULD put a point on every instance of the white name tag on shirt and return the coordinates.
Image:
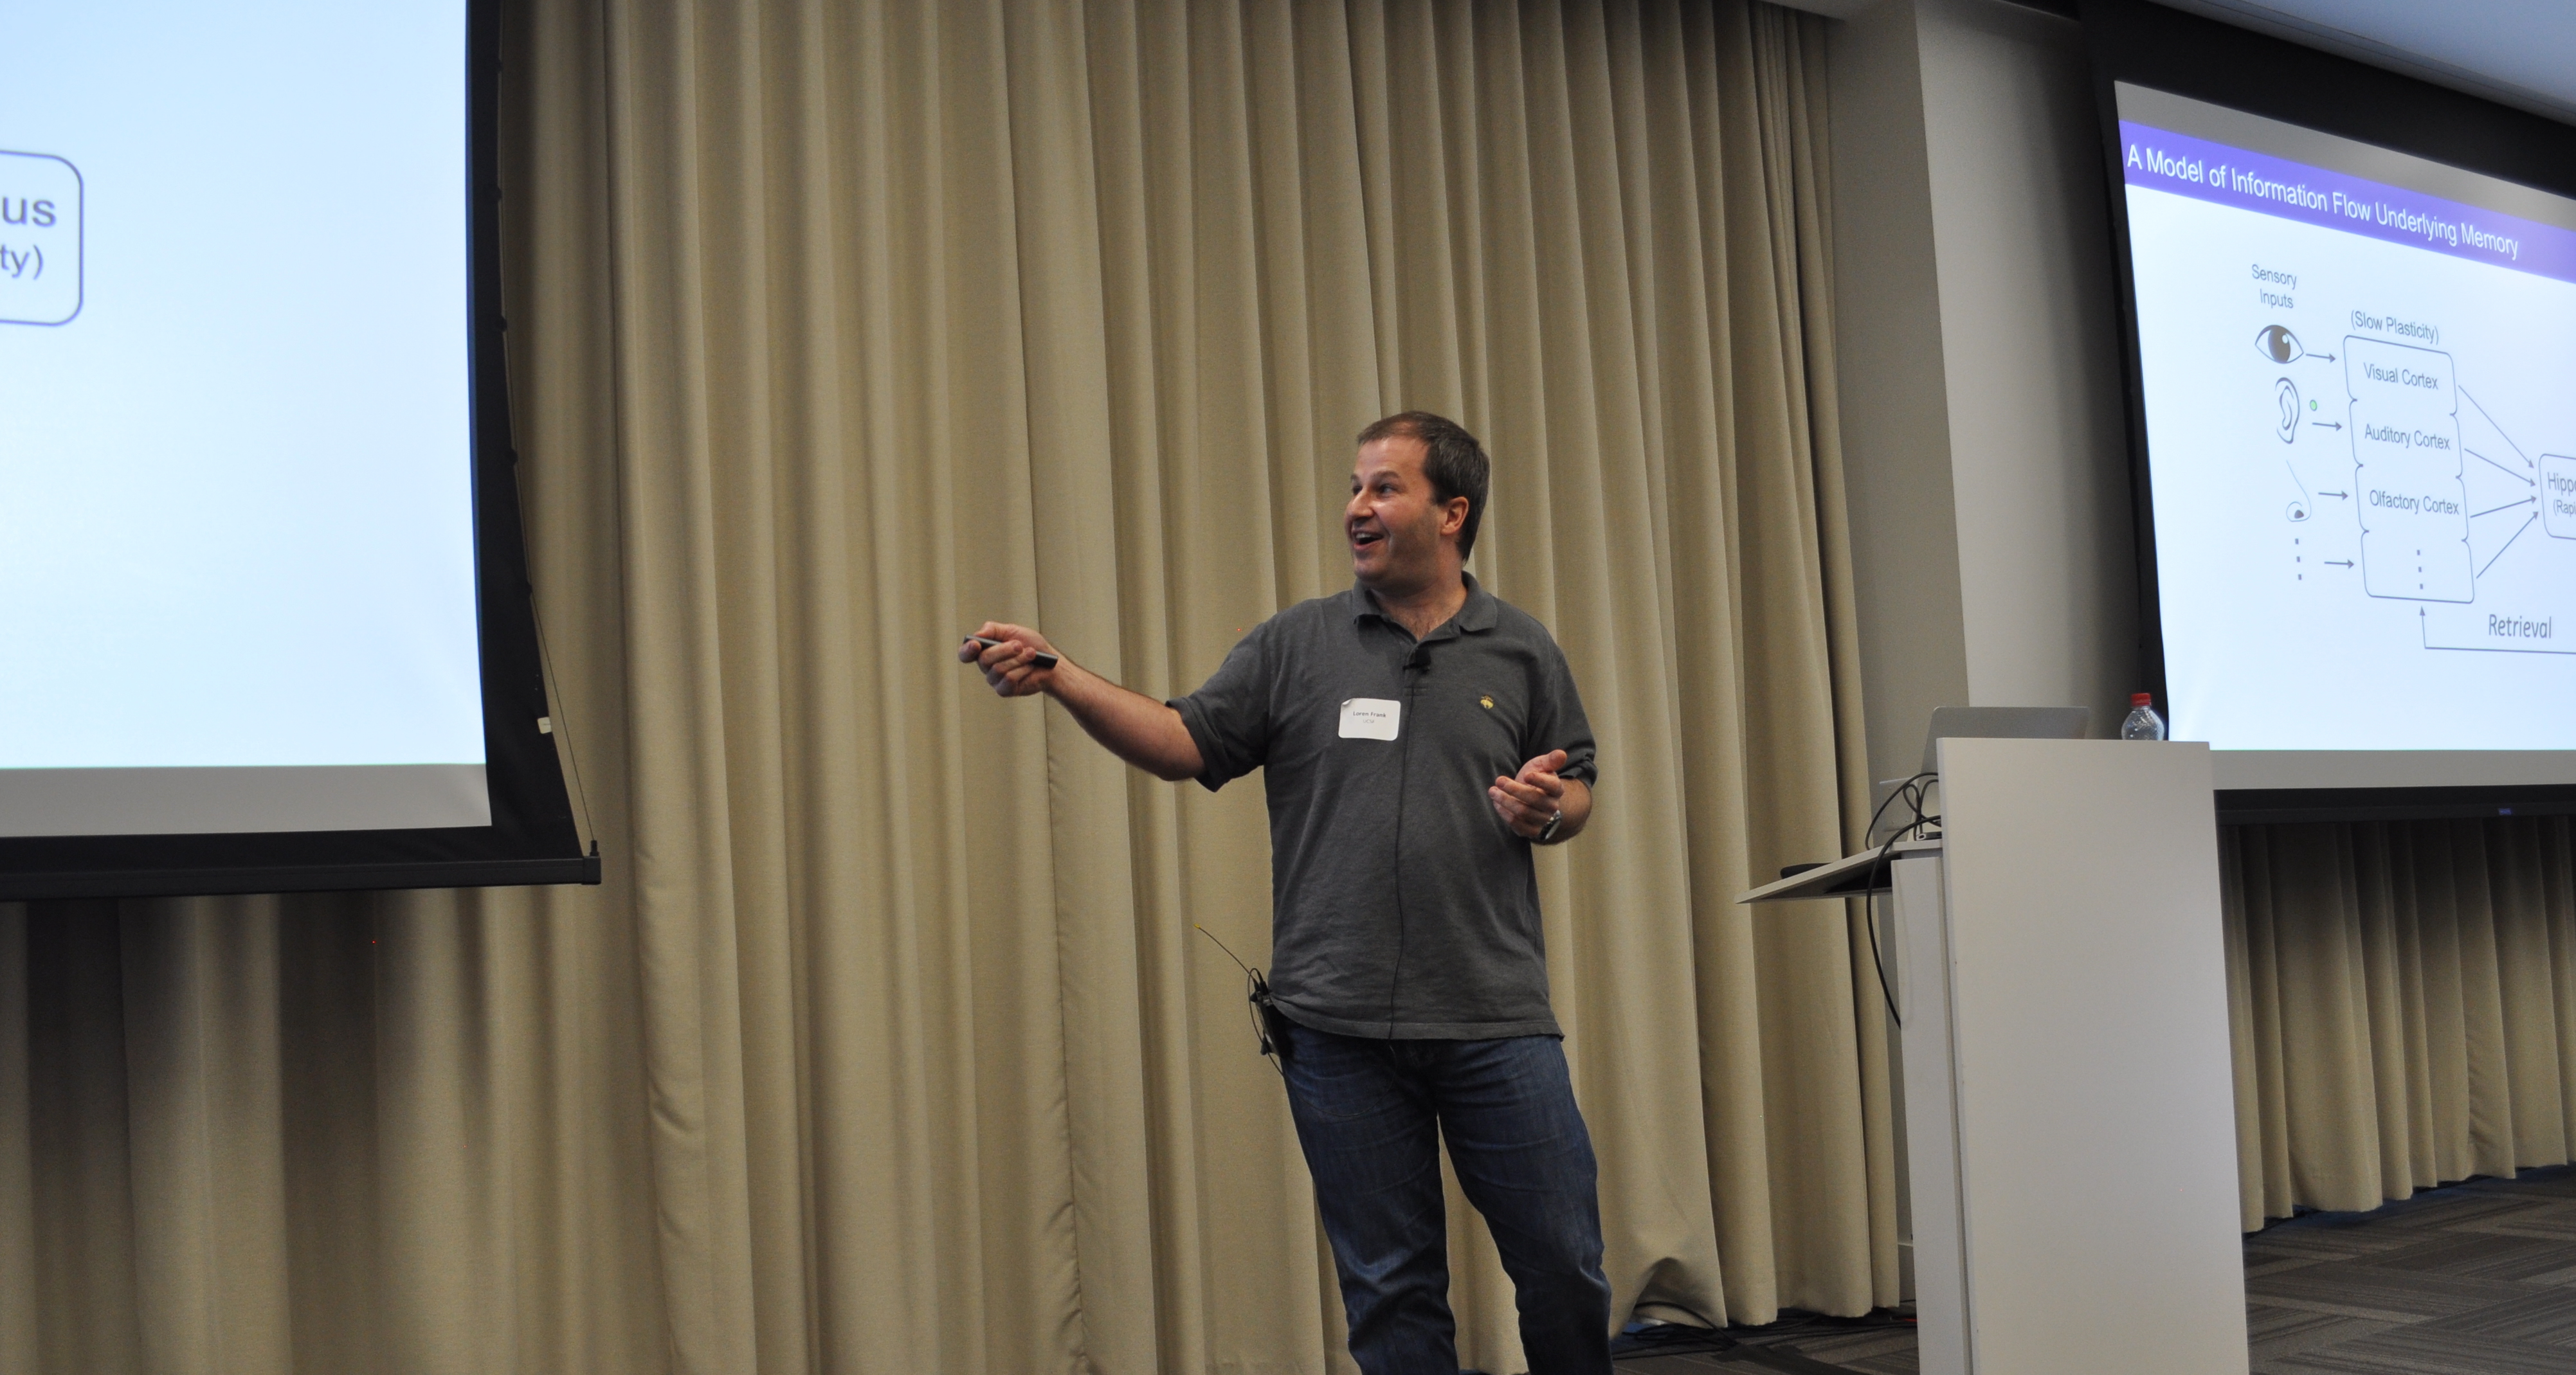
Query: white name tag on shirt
(1371, 718)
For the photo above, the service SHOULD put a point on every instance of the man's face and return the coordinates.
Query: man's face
(1395, 525)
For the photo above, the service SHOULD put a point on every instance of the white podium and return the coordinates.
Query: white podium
(2066, 1096)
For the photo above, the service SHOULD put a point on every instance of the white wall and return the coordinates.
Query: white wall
(1980, 359)
(1895, 398)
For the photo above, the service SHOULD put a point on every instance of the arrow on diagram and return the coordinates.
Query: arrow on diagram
(2327, 424)
(2339, 496)
(2499, 429)
(2526, 501)
(2508, 543)
(2342, 563)
(2508, 472)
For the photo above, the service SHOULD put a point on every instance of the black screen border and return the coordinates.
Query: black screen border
(2147, 44)
(533, 837)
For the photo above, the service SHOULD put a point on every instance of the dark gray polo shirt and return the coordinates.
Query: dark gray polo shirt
(1401, 906)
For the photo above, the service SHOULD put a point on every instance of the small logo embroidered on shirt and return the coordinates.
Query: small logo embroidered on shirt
(1488, 701)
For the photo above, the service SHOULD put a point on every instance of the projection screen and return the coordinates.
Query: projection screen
(2351, 353)
(262, 588)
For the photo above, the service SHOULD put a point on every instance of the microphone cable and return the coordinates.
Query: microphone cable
(1912, 791)
(1416, 664)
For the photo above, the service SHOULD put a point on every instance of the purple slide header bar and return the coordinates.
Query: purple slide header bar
(2214, 172)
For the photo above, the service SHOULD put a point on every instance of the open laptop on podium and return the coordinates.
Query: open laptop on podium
(2001, 723)
(1866, 872)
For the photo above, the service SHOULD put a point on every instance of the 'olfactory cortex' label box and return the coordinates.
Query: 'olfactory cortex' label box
(40, 239)
(2407, 484)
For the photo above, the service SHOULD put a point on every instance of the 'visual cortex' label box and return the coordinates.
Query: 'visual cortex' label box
(40, 239)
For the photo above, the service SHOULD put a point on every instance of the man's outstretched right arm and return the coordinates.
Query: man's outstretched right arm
(1136, 728)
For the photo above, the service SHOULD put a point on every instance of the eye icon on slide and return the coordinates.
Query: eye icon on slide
(2285, 395)
(2277, 343)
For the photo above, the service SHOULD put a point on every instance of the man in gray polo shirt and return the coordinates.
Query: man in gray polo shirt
(1417, 736)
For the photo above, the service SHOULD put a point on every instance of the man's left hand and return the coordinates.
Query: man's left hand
(1527, 802)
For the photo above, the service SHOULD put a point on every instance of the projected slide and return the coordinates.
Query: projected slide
(237, 576)
(2360, 384)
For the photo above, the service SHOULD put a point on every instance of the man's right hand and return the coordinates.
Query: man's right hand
(1007, 664)
(1138, 729)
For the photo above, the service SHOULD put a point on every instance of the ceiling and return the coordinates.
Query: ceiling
(2517, 52)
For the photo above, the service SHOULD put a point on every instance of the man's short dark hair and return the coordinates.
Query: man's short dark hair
(1455, 463)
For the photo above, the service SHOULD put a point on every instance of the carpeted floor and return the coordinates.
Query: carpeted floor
(1799, 1344)
(2478, 1278)
(2475, 1279)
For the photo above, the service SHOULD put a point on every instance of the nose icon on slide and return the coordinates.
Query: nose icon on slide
(2277, 343)
(2285, 396)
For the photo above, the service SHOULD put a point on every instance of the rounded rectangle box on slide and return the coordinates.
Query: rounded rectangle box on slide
(2558, 495)
(40, 239)
(2408, 489)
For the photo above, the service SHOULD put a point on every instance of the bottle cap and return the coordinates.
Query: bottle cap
(2142, 699)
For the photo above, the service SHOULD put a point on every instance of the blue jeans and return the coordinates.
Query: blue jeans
(1371, 1115)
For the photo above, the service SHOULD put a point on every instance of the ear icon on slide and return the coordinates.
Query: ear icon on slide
(2277, 343)
(2285, 396)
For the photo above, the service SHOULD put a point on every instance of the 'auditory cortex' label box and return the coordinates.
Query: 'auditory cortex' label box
(40, 239)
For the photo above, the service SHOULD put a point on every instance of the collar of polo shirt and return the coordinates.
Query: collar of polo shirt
(1478, 614)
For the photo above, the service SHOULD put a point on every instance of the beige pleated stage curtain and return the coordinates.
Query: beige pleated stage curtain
(889, 1045)
(2404, 1006)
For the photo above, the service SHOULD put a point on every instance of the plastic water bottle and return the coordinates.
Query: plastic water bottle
(2143, 723)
